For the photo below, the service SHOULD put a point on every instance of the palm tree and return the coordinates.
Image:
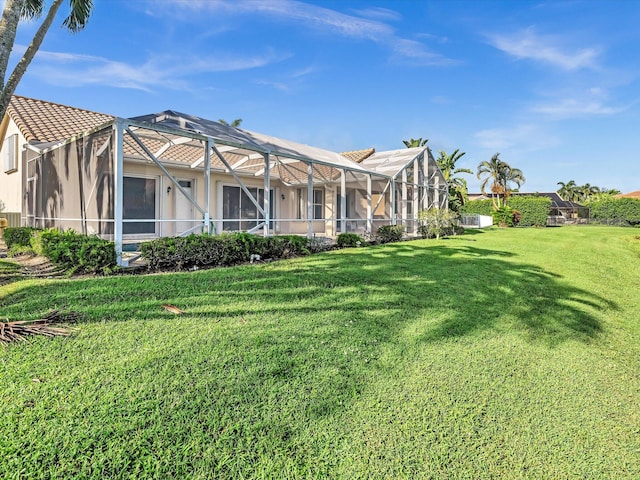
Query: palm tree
(415, 142)
(236, 123)
(12, 13)
(587, 190)
(568, 191)
(491, 170)
(501, 175)
(457, 186)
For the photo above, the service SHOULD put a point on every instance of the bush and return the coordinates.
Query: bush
(319, 244)
(181, 253)
(18, 236)
(533, 210)
(346, 240)
(389, 233)
(434, 223)
(77, 253)
(503, 216)
(478, 207)
(617, 211)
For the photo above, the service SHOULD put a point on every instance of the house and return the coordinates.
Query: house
(634, 194)
(171, 173)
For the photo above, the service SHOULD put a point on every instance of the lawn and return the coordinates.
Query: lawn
(509, 353)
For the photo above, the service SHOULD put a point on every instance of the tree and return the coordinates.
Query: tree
(415, 142)
(568, 191)
(457, 186)
(491, 170)
(235, 123)
(16, 10)
(501, 175)
(587, 190)
(511, 175)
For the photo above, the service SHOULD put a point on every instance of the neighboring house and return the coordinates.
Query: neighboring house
(561, 211)
(634, 194)
(172, 174)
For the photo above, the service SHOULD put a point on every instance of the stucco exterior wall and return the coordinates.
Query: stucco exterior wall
(11, 189)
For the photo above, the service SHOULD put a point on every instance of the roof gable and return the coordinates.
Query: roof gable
(41, 121)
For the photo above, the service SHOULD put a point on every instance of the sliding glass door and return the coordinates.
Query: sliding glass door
(239, 212)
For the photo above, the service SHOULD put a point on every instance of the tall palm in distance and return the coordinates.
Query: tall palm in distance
(236, 123)
(573, 192)
(500, 175)
(569, 191)
(415, 142)
(457, 186)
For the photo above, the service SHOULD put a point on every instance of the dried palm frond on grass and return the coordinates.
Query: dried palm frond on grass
(19, 330)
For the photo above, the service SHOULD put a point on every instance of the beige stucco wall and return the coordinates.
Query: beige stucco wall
(11, 183)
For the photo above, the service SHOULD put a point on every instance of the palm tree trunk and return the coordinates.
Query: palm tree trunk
(8, 29)
(9, 37)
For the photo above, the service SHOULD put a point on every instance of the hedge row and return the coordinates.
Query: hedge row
(478, 207)
(179, 253)
(533, 209)
(69, 250)
(17, 237)
(619, 211)
(74, 252)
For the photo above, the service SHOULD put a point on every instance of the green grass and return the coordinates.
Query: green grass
(500, 354)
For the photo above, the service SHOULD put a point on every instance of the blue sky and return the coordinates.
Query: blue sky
(554, 86)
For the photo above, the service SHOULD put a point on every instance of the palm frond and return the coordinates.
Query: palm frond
(20, 330)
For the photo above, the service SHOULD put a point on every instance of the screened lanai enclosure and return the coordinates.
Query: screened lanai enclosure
(173, 174)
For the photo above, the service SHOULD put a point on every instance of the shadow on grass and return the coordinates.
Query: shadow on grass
(9, 272)
(266, 357)
(464, 289)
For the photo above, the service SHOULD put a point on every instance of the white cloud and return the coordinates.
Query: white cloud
(527, 44)
(68, 69)
(368, 26)
(592, 102)
(571, 107)
(524, 137)
(379, 13)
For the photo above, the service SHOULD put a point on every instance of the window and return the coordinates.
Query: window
(139, 202)
(11, 153)
(238, 210)
(349, 201)
(317, 205)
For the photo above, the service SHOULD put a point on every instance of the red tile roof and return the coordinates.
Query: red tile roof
(41, 121)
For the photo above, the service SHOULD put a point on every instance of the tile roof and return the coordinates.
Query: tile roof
(359, 155)
(635, 194)
(41, 121)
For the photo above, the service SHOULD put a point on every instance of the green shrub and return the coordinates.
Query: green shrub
(434, 223)
(389, 233)
(533, 210)
(283, 246)
(478, 207)
(181, 253)
(17, 236)
(503, 216)
(616, 211)
(77, 253)
(346, 240)
(319, 244)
